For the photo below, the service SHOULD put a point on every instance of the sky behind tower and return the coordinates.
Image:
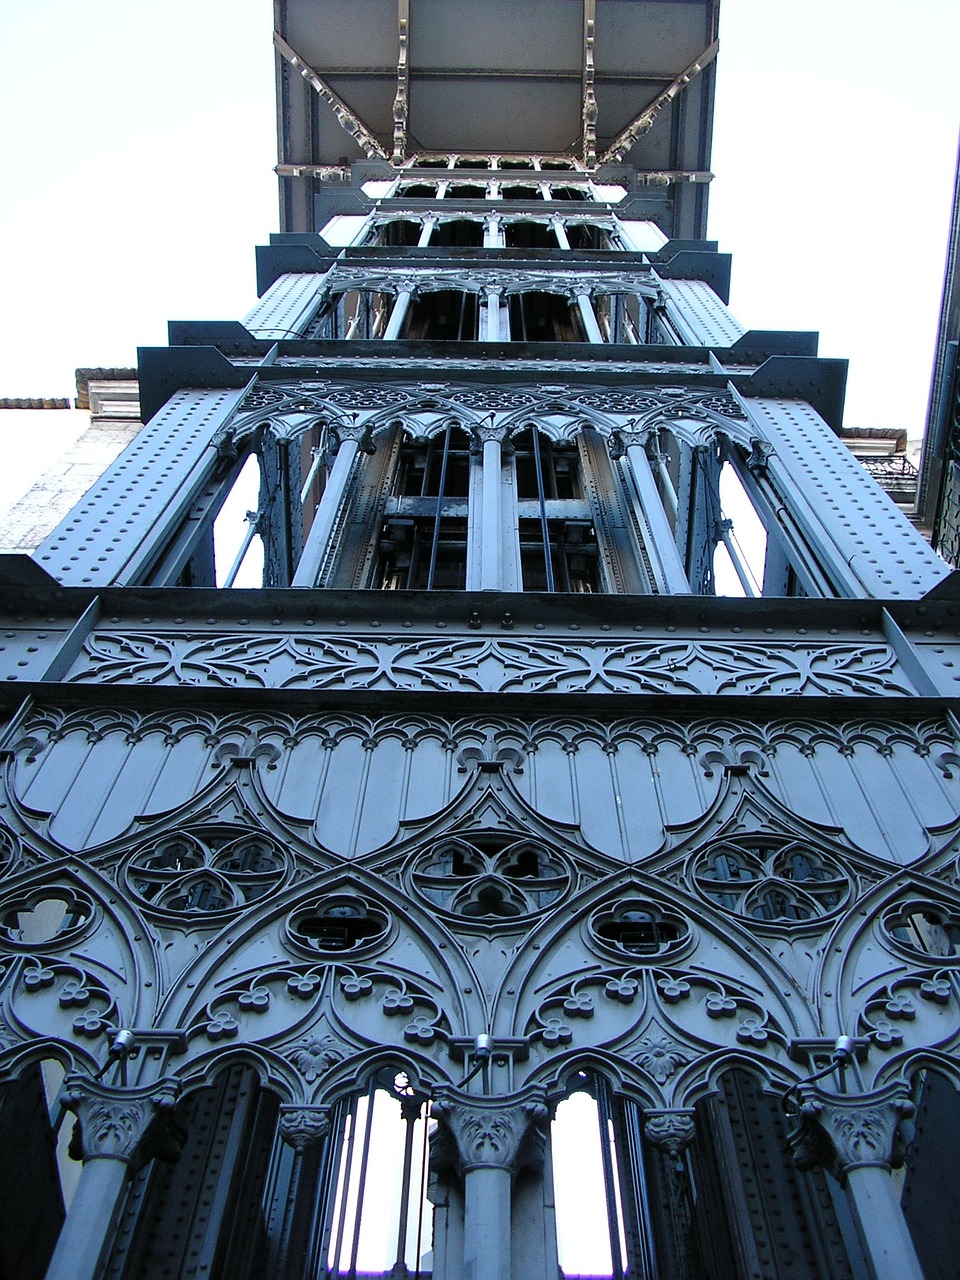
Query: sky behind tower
(140, 140)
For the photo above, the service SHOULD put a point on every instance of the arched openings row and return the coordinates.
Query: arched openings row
(495, 232)
(375, 1182)
(576, 502)
(463, 187)
(464, 311)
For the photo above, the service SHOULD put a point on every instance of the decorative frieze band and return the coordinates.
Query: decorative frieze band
(476, 664)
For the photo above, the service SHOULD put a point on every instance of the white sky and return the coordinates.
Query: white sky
(139, 142)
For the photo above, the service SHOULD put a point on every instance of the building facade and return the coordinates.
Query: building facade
(548, 863)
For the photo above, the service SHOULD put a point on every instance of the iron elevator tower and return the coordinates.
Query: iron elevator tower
(480, 773)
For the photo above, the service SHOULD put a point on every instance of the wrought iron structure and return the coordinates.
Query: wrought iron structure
(549, 861)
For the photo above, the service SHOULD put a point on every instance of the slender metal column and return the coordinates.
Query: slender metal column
(492, 296)
(493, 1139)
(399, 312)
(489, 435)
(486, 1227)
(661, 547)
(666, 483)
(90, 1222)
(410, 1109)
(493, 234)
(740, 566)
(856, 1137)
(429, 223)
(112, 1122)
(350, 438)
(883, 1228)
(563, 240)
(589, 317)
(544, 523)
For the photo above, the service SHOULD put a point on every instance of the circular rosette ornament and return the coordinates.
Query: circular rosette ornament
(642, 930)
(772, 882)
(209, 870)
(490, 877)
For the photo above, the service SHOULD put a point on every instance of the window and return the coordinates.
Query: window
(354, 313)
(466, 191)
(461, 234)
(519, 193)
(544, 317)
(423, 542)
(622, 317)
(443, 314)
(530, 235)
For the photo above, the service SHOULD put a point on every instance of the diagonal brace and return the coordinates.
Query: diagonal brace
(645, 120)
(348, 119)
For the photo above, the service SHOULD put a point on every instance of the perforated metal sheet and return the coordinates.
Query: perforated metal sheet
(884, 552)
(115, 531)
(703, 313)
(286, 306)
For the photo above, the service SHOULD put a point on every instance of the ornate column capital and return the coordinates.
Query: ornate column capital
(303, 1127)
(759, 457)
(669, 1131)
(346, 430)
(624, 438)
(843, 1133)
(131, 1125)
(490, 1133)
(483, 432)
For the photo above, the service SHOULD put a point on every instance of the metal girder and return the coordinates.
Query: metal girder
(348, 119)
(401, 102)
(589, 92)
(645, 120)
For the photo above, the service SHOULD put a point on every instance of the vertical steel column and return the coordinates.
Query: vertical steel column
(563, 240)
(662, 547)
(486, 1227)
(492, 295)
(588, 315)
(112, 1122)
(856, 1137)
(493, 233)
(544, 524)
(489, 436)
(429, 223)
(883, 1228)
(488, 1168)
(410, 1109)
(435, 544)
(351, 438)
(399, 312)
